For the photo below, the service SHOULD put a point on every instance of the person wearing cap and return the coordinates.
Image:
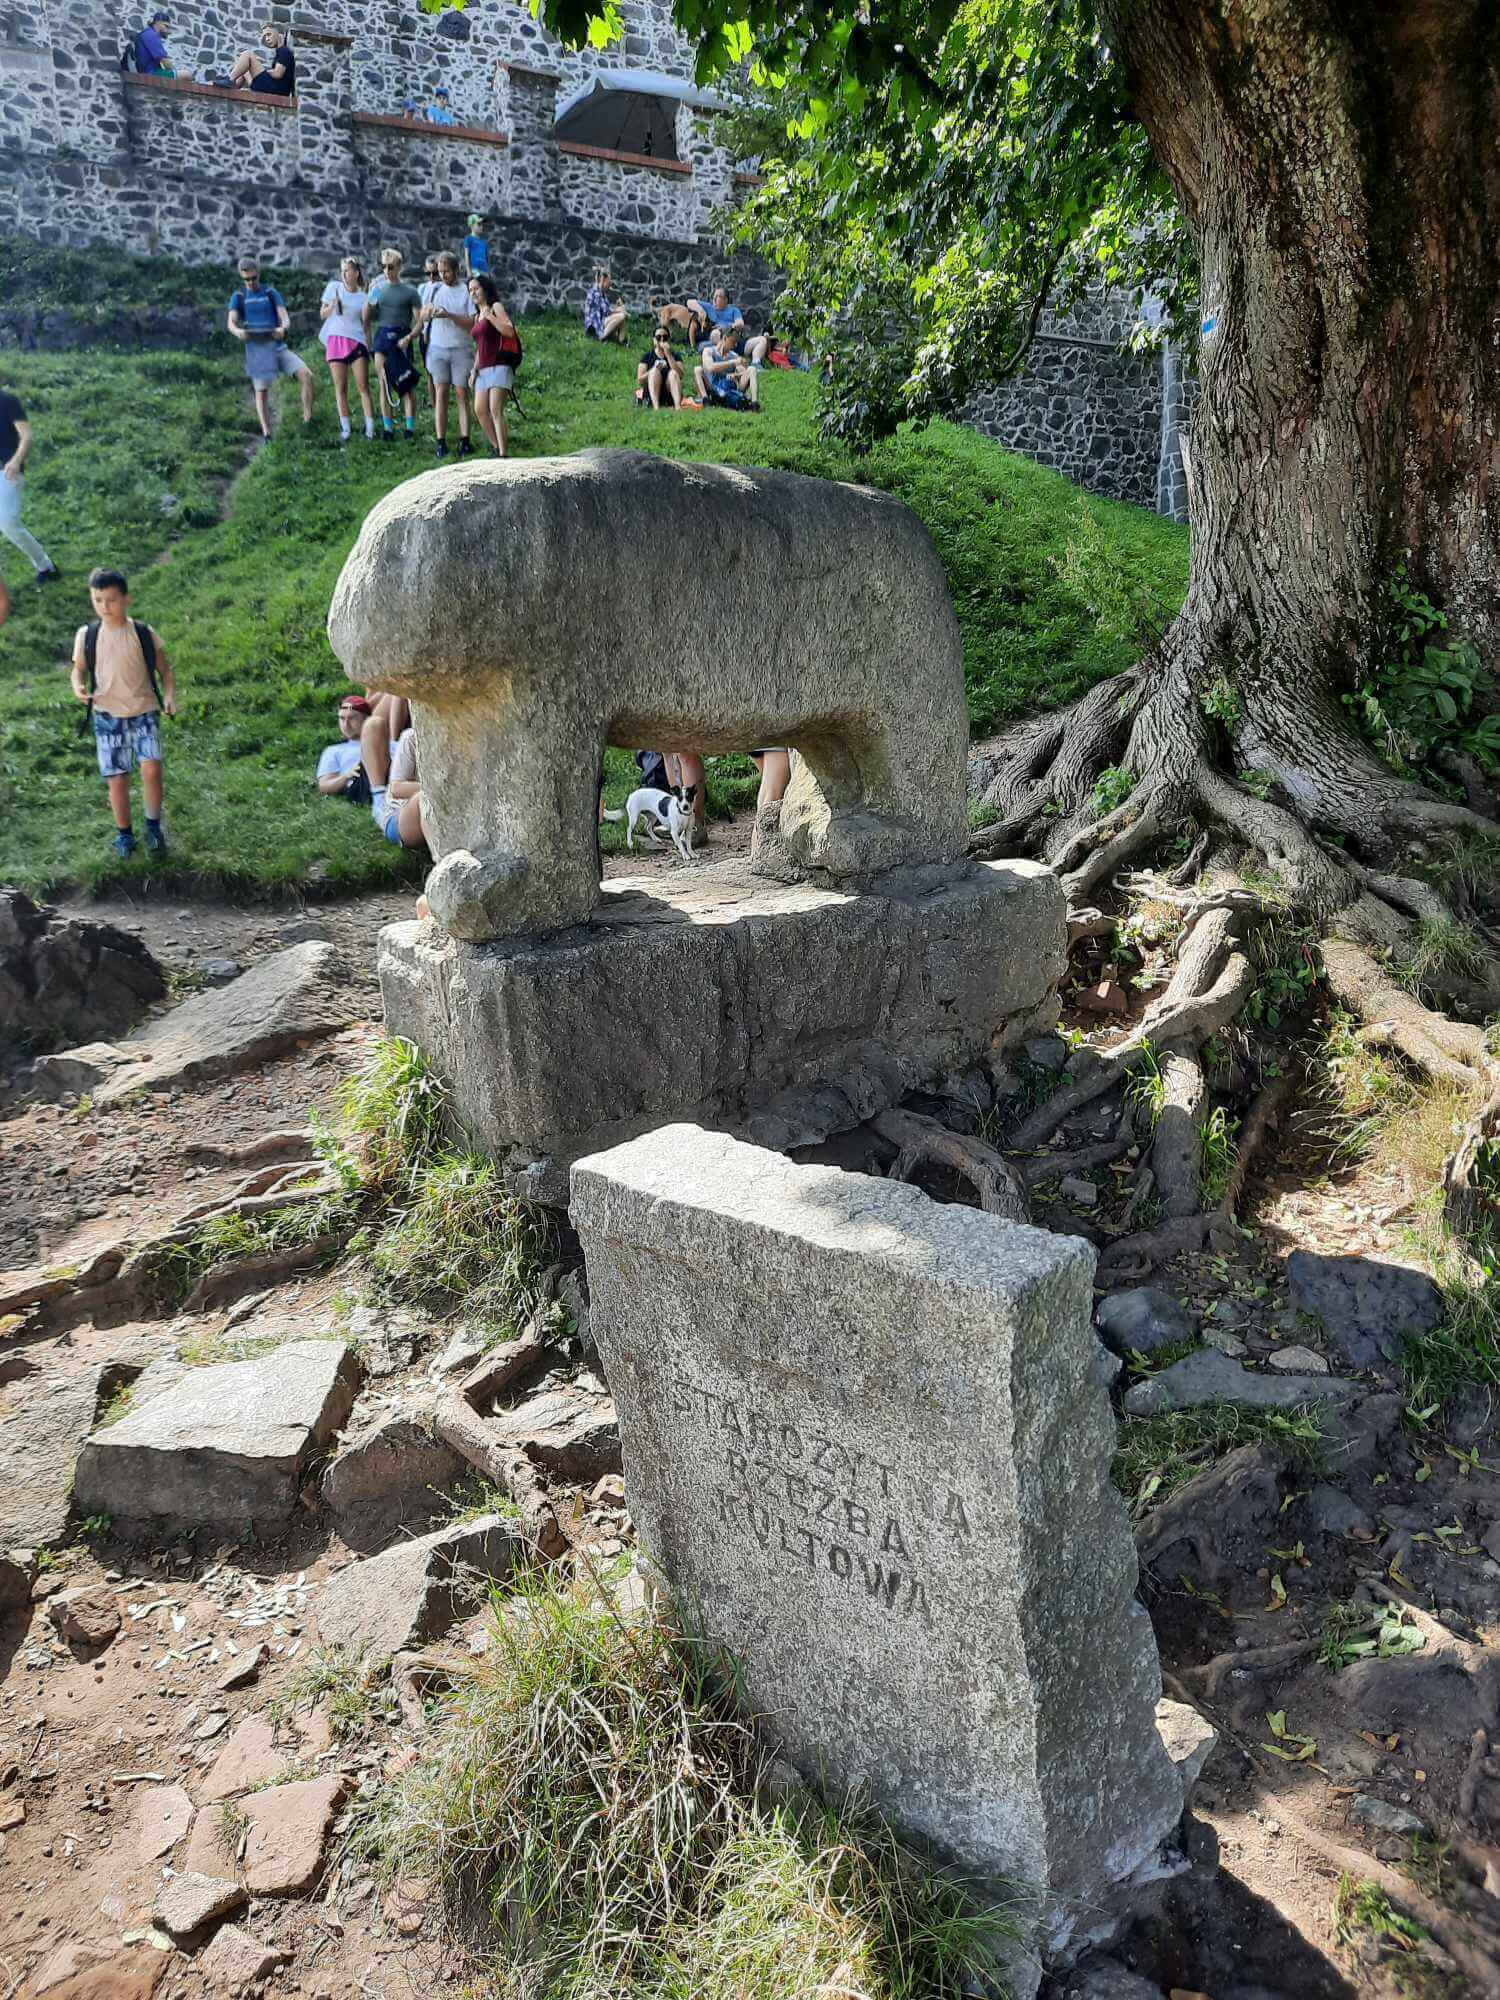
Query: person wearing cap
(151, 48)
(476, 250)
(438, 112)
(341, 760)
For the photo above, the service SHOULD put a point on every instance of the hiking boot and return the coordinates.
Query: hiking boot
(465, 448)
(124, 844)
(442, 449)
(156, 840)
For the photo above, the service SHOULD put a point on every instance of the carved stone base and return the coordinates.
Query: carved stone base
(778, 1012)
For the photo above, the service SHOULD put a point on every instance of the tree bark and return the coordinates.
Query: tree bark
(1340, 170)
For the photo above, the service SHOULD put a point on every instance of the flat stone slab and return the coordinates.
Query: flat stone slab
(1210, 1377)
(164, 1816)
(39, 1443)
(414, 1591)
(1367, 1306)
(288, 998)
(391, 1476)
(827, 1007)
(865, 1444)
(224, 1445)
(187, 1902)
(288, 1830)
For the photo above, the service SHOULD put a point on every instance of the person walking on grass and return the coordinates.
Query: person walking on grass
(344, 309)
(15, 448)
(497, 353)
(258, 317)
(390, 332)
(450, 352)
(121, 669)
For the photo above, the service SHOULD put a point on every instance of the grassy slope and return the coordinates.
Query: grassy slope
(241, 603)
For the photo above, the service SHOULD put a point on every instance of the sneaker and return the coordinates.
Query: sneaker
(442, 449)
(49, 575)
(156, 840)
(465, 448)
(389, 435)
(124, 844)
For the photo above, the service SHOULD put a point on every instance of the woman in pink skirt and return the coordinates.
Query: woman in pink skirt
(343, 338)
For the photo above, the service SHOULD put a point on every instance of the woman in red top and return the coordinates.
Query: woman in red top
(497, 349)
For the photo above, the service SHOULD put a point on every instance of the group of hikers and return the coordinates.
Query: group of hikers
(452, 328)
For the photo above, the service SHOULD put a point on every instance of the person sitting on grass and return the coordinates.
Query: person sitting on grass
(497, 349)
(718, 312)
(121, 669)
(258, 317)
(398, 809)
(271, 69)
(388, 718)
(339, 763)
(390, 324)
(722, 377)
(603, 316)
(658, 377)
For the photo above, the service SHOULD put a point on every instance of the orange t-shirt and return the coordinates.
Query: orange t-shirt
(121, 684)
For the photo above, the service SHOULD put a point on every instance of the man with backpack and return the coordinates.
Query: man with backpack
(150, 48)
(259, 319)
(121, 670)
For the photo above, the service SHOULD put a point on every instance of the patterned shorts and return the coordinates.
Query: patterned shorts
(123, 741)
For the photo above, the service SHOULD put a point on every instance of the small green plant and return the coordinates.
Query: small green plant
(94, 1527)
(596, 1786)
(1112, 788)
(981, 816)
(478, 1498)
(1363, 1632)
(1261, 783)
(461, 1238)
(1221, 703)
(1440, 949)
(1217, 1155)
(1420, 692)
(1146, 1090)
(1287, 974)
(1156, 1455)
(339, 1677)
(117, 1403)
(398, 1109)
(231, 1824)
(172, 1269)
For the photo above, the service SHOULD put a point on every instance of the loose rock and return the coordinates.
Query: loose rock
(249, 1759)
(1208, 1377)
(188, 1902)
(88, 1616)
(1295, 1360)
(391, 1477)
(289, 1827)
(165, 1814)
(236, 1961)
(1384, 1818)
(241, 1672)
(1366, 1306)
(1143, 1321)
(413, 1592)
(39, 1443)
(226, 1445)
(569, 1431)
(1189, 1739)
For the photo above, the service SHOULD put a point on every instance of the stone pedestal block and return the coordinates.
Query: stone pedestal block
(785, 1012)
(865, 1445)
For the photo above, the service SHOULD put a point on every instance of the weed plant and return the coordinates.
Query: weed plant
(456, 1238)
(591, 1811)
(1156, 1455)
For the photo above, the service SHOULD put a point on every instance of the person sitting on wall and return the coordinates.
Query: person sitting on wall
(476, 251)
(271, 69)
(658, 377)
(722, 377)
(603, 316)
(438, 112)
(151, 48)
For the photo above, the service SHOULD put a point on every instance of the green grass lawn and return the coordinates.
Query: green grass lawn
(133, 454)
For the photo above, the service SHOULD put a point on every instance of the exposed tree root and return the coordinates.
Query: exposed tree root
(511, 1470)
(922, 1141)
(1365, 891)
(1471, 1177)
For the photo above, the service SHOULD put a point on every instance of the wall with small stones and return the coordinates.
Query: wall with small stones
(651, 201)
(415, 167)
(1108, 419)
(187, 135)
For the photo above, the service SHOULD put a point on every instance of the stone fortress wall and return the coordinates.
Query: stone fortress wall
(88, 154)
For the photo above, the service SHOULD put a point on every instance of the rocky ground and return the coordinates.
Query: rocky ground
(179, 1763)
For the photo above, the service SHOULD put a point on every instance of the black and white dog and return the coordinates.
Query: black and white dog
(672, 810)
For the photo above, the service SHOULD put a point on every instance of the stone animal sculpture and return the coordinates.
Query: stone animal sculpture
(536, 610)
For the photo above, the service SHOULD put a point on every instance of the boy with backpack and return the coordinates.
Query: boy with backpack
(121, 670)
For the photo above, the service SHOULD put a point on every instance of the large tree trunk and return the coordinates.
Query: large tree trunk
(1339, 165)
